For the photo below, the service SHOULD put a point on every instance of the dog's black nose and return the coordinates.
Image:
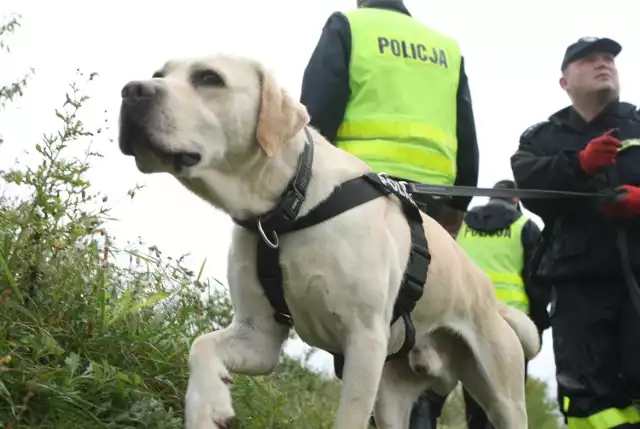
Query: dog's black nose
(139, 99)
(135, 90)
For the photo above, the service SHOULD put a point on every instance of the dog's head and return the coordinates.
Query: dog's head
(208, 114)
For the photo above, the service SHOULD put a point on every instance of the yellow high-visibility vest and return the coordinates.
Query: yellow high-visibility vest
(401, 117)
(501, 256)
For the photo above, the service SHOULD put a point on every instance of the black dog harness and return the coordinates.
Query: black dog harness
(284, 219)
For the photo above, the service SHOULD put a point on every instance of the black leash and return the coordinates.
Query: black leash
(469, 191)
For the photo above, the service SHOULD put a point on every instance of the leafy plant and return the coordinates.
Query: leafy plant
(94, 334)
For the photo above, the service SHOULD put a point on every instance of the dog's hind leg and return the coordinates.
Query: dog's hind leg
(426, 367)
(398, 392)
(492, 371)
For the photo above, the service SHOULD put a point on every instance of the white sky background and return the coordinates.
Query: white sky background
(513, 52)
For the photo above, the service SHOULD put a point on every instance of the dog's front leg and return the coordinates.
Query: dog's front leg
(365, 355)
(249, 347)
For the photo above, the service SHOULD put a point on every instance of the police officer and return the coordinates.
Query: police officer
(501, 240)
(589, 146)
(394, 93)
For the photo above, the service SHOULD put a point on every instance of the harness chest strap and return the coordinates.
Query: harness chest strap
(283, 219)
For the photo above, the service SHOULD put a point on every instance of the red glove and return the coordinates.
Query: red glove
(628, 205)
(599, 153)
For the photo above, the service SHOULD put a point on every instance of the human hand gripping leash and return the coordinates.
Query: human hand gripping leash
(626, 203)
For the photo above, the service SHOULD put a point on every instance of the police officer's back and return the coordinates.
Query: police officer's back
(394, 93)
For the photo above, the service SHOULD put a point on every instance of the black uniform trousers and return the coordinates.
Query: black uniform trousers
(596, 341)
(476, 418)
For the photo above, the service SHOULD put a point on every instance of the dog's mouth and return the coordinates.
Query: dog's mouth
(177, 160)
(137, 142)
(186, 159)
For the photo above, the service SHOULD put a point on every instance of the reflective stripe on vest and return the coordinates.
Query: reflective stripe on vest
(401, 117)
(501, 257)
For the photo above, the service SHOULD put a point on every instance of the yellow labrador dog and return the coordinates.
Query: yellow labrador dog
(223, 127)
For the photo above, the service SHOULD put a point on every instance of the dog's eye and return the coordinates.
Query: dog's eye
(207, 78)
(157, 75)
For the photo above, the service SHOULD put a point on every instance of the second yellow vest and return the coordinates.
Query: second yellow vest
(501, 256)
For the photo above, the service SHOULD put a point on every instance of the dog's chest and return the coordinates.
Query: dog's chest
(315, 297)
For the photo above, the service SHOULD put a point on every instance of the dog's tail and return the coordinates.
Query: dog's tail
(524, 328)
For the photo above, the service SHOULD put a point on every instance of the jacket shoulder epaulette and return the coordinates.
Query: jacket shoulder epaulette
(532, 130)
(630, 111)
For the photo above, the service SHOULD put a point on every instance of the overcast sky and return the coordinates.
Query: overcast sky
(513, 52)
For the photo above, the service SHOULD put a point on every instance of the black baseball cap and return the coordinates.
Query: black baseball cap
(588, 45)
(505, 184)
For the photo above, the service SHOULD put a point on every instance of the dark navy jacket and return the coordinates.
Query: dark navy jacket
(580, 241)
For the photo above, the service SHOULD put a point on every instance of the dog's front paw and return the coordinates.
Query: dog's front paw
(208, 403)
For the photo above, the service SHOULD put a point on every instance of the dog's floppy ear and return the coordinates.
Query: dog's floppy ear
(280, 118)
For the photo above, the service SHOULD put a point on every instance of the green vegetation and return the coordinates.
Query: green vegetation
(94, 334)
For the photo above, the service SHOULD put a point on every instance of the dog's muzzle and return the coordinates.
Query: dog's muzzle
(140, 99)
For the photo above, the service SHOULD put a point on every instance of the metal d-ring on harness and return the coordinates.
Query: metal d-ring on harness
(283, 219)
